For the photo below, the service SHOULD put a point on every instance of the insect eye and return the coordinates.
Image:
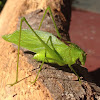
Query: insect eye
(84, 54)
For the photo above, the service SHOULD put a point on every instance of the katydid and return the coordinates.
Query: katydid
(47, 47)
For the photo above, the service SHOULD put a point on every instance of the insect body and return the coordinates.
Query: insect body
(47, 47)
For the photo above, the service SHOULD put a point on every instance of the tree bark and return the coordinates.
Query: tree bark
(54, 82)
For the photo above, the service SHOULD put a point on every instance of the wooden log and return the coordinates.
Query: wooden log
(54, 82)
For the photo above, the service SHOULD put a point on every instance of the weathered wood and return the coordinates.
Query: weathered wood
(55, 82)
(58, 80)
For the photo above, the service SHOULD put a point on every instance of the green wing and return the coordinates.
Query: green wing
(30, 41)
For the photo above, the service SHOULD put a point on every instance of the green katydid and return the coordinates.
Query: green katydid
(47, 47)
